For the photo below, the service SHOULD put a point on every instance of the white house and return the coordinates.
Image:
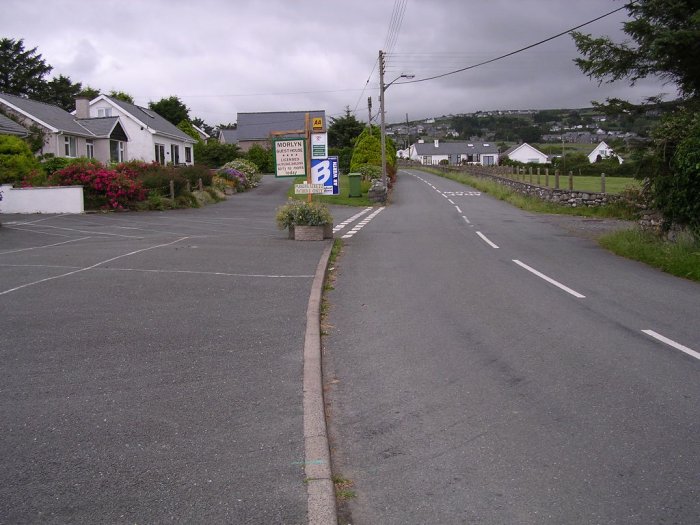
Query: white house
(603, 151)
(453, 153)
(526, 154)
(150, 136)
(64, 134)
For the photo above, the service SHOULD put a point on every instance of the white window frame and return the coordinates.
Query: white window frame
(188, 154)
(104, 112)
(69, 146)
(90, 148)
(160, 154)
(175, 154)
(120, 151)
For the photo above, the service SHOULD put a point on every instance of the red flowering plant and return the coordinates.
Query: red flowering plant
(103, 187)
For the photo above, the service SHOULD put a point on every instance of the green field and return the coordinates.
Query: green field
(584, 183)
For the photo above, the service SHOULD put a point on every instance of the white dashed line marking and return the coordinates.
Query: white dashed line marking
(549, 280)
(486, 240)
(362, 224)
(672, 343)
(350, 220)
(465, 219)
(458, 209)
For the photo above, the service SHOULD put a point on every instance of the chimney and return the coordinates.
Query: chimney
(437, 143)
(82, 107)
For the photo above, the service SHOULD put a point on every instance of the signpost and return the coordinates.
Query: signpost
(307, 156)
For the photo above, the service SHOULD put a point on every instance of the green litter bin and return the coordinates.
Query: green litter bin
(354, 183)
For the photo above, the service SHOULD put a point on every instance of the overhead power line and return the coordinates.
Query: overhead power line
(514, 52)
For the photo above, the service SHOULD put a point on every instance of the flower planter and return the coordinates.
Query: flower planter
(308, 233)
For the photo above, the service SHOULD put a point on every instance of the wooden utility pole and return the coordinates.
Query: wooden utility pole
(307, 132)
(369, 110)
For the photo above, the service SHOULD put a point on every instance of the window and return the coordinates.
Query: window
(175, 154)
(427, 160)
(188, 154)
(160, 154)
(104, 112)
(89, 149)
(488, 160)
(116, 151)
(69, 147)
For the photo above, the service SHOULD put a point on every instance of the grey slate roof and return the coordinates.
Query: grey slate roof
(51, 115)
(10, 127)
(456, 148)
(153, 120)
(228, 136)
(258, 126)
(100, 126)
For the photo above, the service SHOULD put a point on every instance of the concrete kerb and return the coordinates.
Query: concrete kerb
(321, 507)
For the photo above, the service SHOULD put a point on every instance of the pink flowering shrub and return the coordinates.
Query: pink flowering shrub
(103, 187)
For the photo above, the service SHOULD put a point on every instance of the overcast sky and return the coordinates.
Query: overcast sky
(221, 57)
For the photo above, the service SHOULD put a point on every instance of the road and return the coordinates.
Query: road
(152, 365)
(484, 366)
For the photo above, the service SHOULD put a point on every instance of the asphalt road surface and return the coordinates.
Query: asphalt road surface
(151, 365)
(484, 366)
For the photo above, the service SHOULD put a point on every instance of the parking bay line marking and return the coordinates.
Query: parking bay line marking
(93, 266)
(486, 240)
(672, 343)
(549, 280)
(458, 209)
(44, 246)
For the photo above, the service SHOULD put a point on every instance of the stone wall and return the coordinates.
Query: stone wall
(564, 197)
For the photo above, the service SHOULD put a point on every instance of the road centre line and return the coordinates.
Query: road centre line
(93, 266)
(549, 280)
(486, 240)
(44, 246)
(672, 343)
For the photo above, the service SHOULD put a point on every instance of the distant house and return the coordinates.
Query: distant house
(10, 127)
(203, 135)
(257, 128)
(228, 136)
(526, 154)
(65, 135)
(151, 137)
(603, 151)
(453, 153)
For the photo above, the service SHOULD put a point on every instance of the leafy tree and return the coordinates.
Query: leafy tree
(61, 92)
(16, 159)
(344, 130)
(89, 92)
(665, 43)
(171, 109)
(203, 126)
(262, 158)
(121, 95)
(186, 126)
(368, 150)
(214, 154)
(667, 38)
(21, 72)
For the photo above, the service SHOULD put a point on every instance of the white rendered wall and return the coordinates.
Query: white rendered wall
(53, 199)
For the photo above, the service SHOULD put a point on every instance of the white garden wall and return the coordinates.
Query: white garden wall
(52, 199)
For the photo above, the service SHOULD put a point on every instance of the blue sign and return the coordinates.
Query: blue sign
(325, 171)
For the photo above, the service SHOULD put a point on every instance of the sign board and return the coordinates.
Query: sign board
(325, 172)
(305, 189)
(319, 145)
(290, 157)
(317, 124)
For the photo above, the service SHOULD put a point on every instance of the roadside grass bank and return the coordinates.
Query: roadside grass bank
(532, 204)
(680, 257)
(341, 199)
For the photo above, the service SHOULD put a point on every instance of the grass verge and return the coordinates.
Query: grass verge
(341, 199)
(680, 258)
(535, 205)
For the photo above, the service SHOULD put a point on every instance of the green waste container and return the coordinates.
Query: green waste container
(354, 183)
